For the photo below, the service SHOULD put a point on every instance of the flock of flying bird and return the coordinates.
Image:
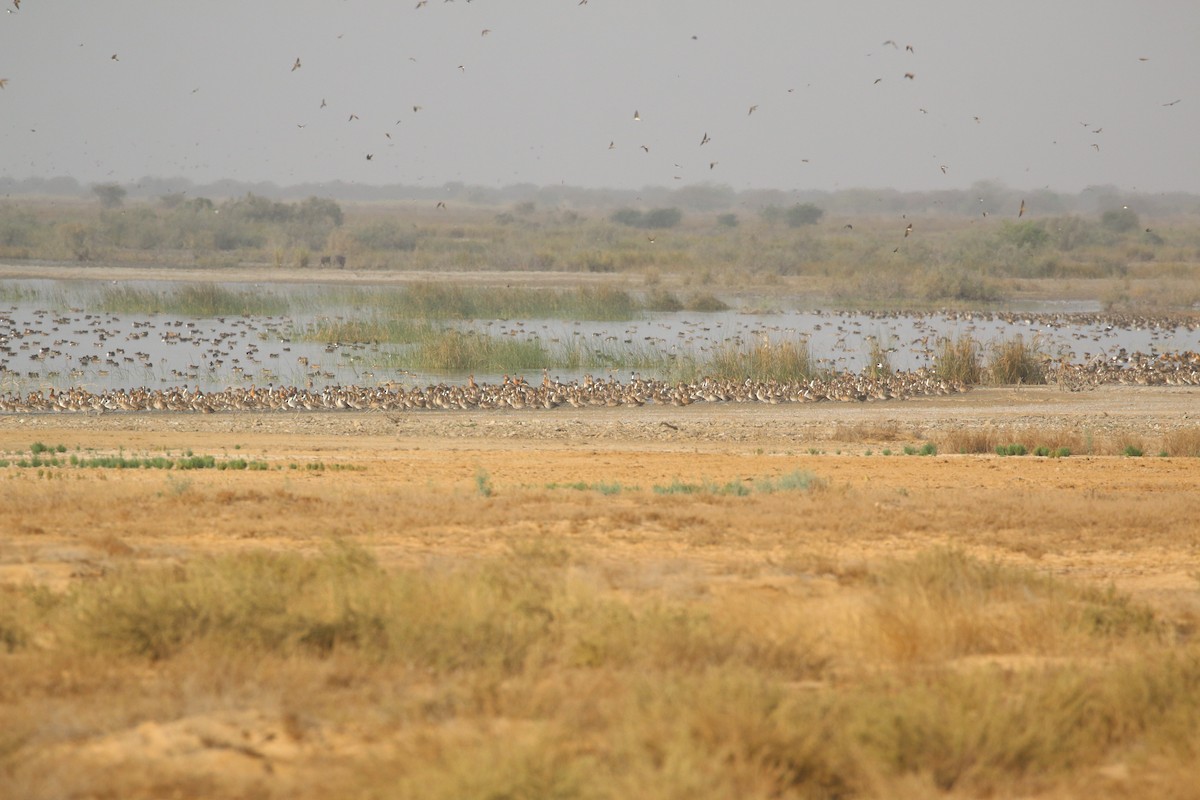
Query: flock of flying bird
(907, 74)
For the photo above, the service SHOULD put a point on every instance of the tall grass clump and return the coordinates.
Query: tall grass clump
(958, 360)
(1013, 362)
(453, 350)
(879, 363)
(784, 362)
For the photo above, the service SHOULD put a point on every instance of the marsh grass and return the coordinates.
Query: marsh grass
(784, 362)
(201, 300)
(427, 300)
(958, 360)
(1015, 362)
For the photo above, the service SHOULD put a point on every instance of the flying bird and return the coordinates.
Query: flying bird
(647, 149)
(1021, 212)
(1097, 147)
(485, 31)
(752, 110)
(370, 156)
(352, 118)
(322, 102)
(612, 145)
(877, 80)
(417, 108)
(1173, 102)
(113, 57)
(910, 76)
(296, 66)
(705, 140)
(636, 116)
(712, 164)
(943, 168)
(908, 230)
(3, 82)
(892, 42)
(441, 204)
(17, 4)
(908, 47)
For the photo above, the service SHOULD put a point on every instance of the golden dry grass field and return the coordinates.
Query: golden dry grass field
(729, 601)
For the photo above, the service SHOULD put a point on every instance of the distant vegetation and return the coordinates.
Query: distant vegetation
(853, 248)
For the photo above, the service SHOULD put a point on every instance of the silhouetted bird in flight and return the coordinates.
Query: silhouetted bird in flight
(910, 76)
(352, 118)
(441, 204)
(705, 140)
(1021, 212)
(1173, 102)
(908, 230)
(636, 116)
(370, 156)
(3, 82)
(752, 110)
(296, 66)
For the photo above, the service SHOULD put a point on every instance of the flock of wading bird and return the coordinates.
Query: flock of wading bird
(517, 394)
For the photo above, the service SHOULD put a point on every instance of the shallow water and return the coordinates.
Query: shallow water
(49, 338)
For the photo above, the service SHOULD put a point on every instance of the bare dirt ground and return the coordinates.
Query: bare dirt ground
(426, 488)
(446, 454)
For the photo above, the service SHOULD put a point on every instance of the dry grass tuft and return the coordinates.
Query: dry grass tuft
(1015, 362)
(1183, 442)
(958, 360)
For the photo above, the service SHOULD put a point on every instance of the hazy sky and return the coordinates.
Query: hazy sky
(1060, 93)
